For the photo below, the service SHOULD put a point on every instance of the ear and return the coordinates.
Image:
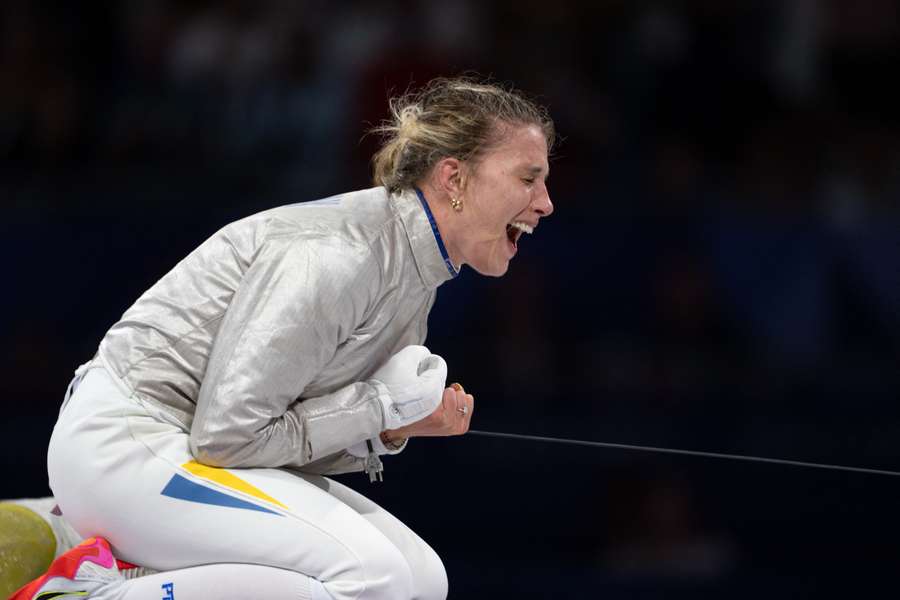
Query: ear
(448, 176)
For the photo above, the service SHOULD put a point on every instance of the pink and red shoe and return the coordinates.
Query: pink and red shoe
(80, 571)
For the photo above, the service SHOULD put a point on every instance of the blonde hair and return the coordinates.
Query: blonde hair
(458, 117)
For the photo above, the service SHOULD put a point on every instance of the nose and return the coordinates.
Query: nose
(542, 204)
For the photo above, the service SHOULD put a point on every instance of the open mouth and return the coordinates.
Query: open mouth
(515, 230)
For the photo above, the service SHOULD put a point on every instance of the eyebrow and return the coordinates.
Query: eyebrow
(536, 170)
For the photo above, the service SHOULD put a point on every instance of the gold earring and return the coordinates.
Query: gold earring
(456, 203)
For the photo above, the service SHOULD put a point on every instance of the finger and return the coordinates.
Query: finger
(470, 403)
(461, 408)
(461, 414)
(466, 416)
(449, 400)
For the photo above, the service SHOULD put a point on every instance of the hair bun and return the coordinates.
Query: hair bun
(409, 121)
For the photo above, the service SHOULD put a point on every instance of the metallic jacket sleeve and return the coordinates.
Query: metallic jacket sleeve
(333, 464)
(298, 301)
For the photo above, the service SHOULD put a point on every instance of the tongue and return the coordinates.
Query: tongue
(512, 234)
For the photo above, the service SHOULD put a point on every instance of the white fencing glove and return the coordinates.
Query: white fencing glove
(410, 385)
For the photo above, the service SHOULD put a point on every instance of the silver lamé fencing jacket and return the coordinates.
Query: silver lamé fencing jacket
(259, 343)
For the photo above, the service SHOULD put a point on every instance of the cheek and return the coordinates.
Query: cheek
(517, 201)
(496, 203)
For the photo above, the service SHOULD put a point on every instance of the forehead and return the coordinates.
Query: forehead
(522, 146)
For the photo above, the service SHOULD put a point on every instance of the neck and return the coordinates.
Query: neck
(445, 218)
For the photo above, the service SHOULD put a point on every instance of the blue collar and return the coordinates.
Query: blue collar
(437, 234)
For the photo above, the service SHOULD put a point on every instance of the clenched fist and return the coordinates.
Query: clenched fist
(452, 417)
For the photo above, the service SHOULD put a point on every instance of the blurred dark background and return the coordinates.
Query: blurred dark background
(722, 271)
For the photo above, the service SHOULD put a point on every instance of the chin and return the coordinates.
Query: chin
(492, 270)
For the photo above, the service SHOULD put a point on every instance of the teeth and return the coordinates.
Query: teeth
(522, 226)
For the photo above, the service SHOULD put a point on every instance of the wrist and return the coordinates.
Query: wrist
(392, 439)
(386, 442)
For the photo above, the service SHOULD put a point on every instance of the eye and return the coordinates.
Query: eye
(528, 180)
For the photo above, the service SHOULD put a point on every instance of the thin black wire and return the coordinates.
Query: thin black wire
(760, 459)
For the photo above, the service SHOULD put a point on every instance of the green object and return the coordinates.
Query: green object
(27, 547)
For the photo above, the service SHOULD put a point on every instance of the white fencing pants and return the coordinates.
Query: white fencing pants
(121, 473)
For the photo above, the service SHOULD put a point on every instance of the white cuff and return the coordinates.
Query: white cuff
(361, 449)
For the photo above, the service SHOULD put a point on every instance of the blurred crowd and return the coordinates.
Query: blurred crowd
(788, 99)
(722, 271)
(772, 106)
